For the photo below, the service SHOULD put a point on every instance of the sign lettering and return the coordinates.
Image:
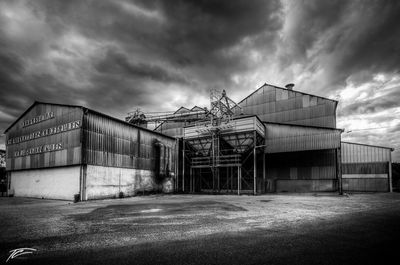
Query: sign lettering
(44, 117)
(46, 132)
(39, 149)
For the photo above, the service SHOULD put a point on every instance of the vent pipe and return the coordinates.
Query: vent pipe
(289, 86)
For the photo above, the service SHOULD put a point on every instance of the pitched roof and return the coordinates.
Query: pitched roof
(285, 89)
(34, 104)
(84, 109)
(385, 147)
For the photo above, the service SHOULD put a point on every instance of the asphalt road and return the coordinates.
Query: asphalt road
(275, 229)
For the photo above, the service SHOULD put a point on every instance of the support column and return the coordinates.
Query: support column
(190, 180)
(238, 177)
(218, 180)
(227, 179)
(390, 171)
(264, 173)
(231, 173)
(255, 171)
(183, 165)
(176, 165)
(339, 170)
(255, 164)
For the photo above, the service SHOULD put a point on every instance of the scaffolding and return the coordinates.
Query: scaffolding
(218, 150)
(223, 156)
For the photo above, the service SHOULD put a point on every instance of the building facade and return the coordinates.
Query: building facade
(302, 149)
(277, 140)
(366, 167)
(70, 152)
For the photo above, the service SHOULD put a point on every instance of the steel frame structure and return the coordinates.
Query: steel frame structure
(232, 169)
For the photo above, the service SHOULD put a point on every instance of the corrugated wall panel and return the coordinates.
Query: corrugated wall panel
(320, 164)
(274, 104)
(358, 153)
(117, 144)
(245, 124)
(364, 167)
(289, 138)
(54, 131)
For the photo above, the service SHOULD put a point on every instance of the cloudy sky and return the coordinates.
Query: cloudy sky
(115, 56)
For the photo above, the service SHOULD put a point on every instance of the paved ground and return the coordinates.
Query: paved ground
(205, 229)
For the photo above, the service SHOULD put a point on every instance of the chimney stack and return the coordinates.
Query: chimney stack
(289, 86)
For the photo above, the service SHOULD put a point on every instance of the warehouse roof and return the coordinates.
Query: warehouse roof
(385, 147)
(285, 89)
(84, 109)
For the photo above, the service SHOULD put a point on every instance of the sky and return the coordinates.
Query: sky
(116, 56)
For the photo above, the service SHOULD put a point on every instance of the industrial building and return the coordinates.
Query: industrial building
(73, 153)
(366, 167)
(3, 179)
(274, 140)
(277, 140)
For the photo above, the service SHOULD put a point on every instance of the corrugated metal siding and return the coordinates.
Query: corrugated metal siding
(70, 154)
(173, 132)
(174, 128)
(320, 164)
(116, 144)
(289, 138)
(273, 104)
(365, 168)
(357, 153)
(237, 125)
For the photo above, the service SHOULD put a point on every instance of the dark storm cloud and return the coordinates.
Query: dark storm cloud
(343, 38)
(182, 32)
(305, 23)
(10, 62)
(153, 40)
(199, 30)
(117, 63)
(375, 44)
(11, 68)
(117, 55)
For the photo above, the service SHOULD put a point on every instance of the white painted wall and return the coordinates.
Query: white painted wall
(49, 183)
(107, 182)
